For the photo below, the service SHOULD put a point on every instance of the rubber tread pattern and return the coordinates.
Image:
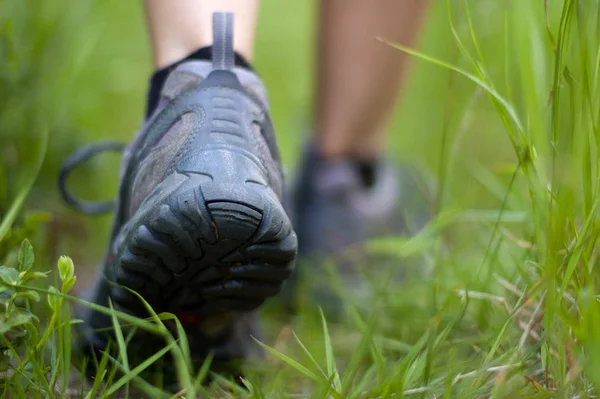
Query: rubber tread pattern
(192, 253)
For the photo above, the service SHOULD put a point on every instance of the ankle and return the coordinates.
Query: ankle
(365, 163)
(330, 150)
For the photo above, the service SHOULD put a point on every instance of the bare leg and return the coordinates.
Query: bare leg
(179, 27)
(359, 77)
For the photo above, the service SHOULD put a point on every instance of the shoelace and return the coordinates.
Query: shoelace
(81, 156)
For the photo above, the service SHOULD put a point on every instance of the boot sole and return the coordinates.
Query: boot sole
(202, 247)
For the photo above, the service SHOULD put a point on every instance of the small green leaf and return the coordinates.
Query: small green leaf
(6, 296)
(53, 298)
(9, 275)
(66, 268)
(34, 296)
(4, 327)
(33, 220)
(28, 276)
(26, 256)
(18, 318)
(68, 284)
(4, 362)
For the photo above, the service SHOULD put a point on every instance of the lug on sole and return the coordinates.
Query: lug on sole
(203, 248)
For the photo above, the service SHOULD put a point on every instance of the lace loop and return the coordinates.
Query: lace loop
(81, 156)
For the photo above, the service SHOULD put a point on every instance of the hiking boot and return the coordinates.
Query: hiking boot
(200, 230)
(336, 213)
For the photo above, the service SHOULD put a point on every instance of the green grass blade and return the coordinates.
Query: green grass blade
(131, 375)
(184, 344)
(181, 365)
(101, 371)
(291, 362)
(310, 356)
(15, 207)
(120, 339)
(203, 373)
(329, 357)
(232, 386)
(505, 104)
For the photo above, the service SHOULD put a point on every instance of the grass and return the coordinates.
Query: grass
(499, 292)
